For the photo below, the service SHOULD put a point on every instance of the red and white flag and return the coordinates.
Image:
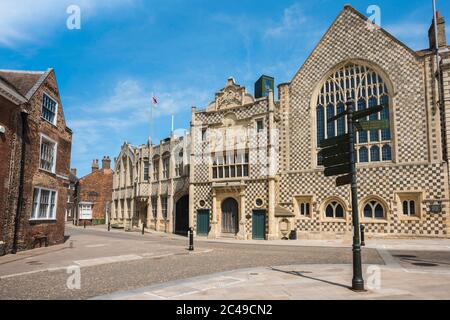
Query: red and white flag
(154, 100)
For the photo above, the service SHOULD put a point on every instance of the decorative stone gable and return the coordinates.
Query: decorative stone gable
(231, 96)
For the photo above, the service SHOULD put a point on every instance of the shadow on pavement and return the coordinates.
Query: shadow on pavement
(302, 274)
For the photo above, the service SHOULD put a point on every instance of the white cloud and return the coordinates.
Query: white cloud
(408, 29)
(413, 34)
(293, 19)
(106, 123)
(133, 98)
(28, 21)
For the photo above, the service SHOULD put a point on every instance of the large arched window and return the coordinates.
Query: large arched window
(363, 85)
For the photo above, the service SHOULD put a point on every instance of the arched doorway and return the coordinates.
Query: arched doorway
(182, 215)
(230, 216)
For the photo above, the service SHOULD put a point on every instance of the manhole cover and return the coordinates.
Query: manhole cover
(35, 263)
(424, 264)
(404, 256)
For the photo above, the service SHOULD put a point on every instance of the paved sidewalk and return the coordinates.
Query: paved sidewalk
(425, 244)
(301, 282)
(387, 244)
(86, 250)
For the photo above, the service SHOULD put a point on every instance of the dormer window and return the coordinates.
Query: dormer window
(49, 109)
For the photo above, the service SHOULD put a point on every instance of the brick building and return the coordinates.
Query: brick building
(94, 194)
(71, 196)
(35, 147)
(254, 165)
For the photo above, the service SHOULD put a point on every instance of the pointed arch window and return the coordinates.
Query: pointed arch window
(334, 210)
(374, 210)
(367, 88)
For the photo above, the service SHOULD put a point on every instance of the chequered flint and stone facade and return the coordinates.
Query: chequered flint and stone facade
(255, 172)
(148, 183)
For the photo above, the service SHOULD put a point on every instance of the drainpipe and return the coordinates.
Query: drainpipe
(24, 118)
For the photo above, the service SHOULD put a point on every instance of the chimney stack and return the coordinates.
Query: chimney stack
(106, 163)
(73, 171)
(94, 165)
(442, 39)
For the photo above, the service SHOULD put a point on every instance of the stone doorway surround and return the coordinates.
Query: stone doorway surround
(220, 192)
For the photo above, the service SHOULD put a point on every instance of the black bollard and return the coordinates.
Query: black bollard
(143, 229)
(191, 239)
(109, 226)
(363, 228)
(85, 224)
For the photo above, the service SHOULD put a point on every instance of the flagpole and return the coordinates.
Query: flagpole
(151, 120)
(172, 125)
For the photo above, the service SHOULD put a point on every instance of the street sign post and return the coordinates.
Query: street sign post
(344, 180)
(372, 125)
(343, 139)
(339, 159)
(357, 281)
(366, 112)
(338, 170)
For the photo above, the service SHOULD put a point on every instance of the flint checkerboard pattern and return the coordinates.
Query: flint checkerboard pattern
(418, 170)
(255, 190)
(349, 39)
(380, 182)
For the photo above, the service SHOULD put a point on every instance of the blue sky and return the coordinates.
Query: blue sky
(183, 51)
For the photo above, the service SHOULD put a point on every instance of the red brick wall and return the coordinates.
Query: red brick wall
(97, 189)
(10, 145)
(35, 177)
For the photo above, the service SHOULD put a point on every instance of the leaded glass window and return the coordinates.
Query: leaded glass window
(49, 108)
(164, 207)
(155, 207)
(409, 207)
(47, 155)
(363, 85)
(363, 155)
(374, 210)
(387, 153)
(146, 170)
(44, 204)
(334, 210)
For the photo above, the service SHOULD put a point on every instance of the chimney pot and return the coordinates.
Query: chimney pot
(442, 38)
(95, 165)
(106, 163)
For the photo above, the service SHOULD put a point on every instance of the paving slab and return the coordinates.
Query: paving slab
(298, 282)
